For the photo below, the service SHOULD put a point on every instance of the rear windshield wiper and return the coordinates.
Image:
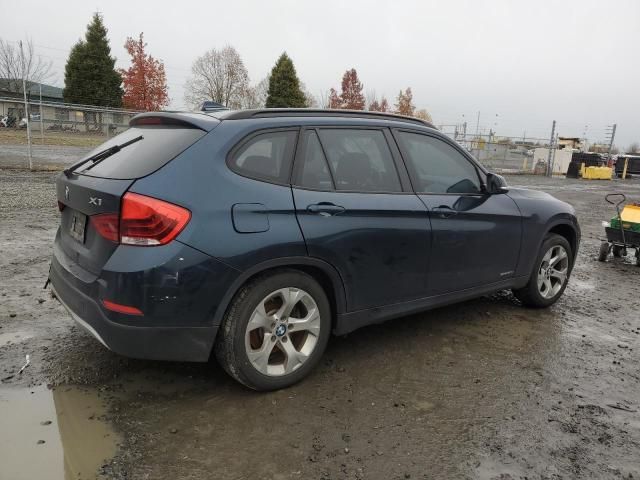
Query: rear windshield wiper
(100, 156)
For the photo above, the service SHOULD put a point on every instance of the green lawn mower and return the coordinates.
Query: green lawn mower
(623, 231)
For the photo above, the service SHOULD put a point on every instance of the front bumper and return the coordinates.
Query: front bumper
(157, 336)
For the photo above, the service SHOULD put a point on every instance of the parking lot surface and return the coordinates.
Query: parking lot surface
(484, 389)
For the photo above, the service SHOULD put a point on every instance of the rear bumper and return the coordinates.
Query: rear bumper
(153, 343)
(161, 335)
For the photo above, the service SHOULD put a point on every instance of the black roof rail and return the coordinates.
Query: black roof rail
(316, 112)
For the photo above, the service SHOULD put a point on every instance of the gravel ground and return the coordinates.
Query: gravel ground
(484, 389)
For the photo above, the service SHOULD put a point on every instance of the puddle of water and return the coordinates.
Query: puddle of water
(76, 442)
(14, 337)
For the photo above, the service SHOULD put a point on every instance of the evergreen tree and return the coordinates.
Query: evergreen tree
(284, 86)
(90, 77)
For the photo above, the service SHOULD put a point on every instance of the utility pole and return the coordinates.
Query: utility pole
(26, 106)
(553, 136)
(478, 124)
(613, 134)
(41, 117)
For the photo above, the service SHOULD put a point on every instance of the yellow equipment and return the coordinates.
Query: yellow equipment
(596, 173)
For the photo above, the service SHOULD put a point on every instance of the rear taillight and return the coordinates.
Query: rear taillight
(106, 225)
(61, 205)
(147, 221)
(143, 221)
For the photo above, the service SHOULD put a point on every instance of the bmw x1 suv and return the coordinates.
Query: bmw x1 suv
(254, 234)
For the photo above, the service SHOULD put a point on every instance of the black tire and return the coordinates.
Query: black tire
(604, 252)
(230, 348)
(617, 251)
(530, 295)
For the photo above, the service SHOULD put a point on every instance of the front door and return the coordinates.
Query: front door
(354, 214)
(475, 236)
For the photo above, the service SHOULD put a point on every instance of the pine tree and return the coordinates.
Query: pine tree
(284, 86)
(90, 77)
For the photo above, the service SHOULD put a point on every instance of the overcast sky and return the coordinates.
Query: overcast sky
(521, 64)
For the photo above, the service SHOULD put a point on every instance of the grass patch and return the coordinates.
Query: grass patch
(13, 136)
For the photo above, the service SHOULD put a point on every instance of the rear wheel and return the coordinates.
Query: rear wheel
(550, 275)
(618, 251)
(604, 252)
(275, 330)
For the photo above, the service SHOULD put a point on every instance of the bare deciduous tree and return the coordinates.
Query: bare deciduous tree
(14, 66)
(218, 75)
(634, 148)
(423, 114)
(310, 99)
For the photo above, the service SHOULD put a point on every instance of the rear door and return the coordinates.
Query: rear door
(356, 215)
(475, 236)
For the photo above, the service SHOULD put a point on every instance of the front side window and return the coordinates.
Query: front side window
(266, 156)
(360, 160)
(437, 167)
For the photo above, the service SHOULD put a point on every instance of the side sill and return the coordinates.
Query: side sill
(348, 322)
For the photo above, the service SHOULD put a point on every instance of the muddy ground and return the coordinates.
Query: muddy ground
(485, 389)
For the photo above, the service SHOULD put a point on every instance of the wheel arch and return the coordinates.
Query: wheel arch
(568, 232)
(324, 273)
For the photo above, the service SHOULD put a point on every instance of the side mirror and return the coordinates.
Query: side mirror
(496, 184)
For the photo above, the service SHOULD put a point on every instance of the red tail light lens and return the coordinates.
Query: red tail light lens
(117, 307)
(106, 225)
(147, 221)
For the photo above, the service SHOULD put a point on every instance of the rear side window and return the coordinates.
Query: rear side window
(437, 167)
(360, 160)
(315, 171)
(159, 145)
(266, 156)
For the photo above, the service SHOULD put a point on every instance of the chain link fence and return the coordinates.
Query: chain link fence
(59, 133)
(514, 154)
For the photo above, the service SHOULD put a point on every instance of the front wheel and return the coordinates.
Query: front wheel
(550, 275)
(275, 330)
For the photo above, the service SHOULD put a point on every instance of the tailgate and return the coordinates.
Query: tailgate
(84, 198)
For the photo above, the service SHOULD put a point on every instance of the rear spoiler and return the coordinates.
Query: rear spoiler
(183, 119)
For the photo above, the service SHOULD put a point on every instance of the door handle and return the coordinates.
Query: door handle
(444, 212)
(325, 208)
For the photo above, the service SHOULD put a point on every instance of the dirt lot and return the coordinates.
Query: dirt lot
(485, 389)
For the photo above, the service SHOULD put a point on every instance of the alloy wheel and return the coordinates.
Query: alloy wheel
(282, 332)
(553, 271)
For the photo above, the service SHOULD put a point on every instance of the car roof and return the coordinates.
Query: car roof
(312, 112)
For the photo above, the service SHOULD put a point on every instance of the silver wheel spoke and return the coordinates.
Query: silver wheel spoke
(560, 275)
(260, 319)
(561, 255)
(290, 298)
(294, 357)
(260, 358)
(310, 323)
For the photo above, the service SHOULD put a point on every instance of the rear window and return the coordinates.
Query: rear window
(159, 145)
(266, 156)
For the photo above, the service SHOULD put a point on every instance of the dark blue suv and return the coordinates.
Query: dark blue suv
(254, 234)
